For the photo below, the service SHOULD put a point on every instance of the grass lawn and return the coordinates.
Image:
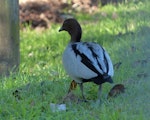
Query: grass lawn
(123, 30)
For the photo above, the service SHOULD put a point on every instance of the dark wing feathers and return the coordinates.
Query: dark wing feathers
(84, 59)
(93, 62)
(105, 60)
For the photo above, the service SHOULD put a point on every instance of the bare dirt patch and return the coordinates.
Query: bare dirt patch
(41, 13)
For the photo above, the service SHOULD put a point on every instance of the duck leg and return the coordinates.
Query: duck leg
(99, 93)
(81, 88)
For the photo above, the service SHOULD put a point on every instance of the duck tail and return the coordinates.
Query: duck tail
(108, 79)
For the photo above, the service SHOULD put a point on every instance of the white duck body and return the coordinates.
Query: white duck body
(87, 60)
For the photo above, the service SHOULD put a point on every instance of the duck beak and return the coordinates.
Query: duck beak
(61, 29)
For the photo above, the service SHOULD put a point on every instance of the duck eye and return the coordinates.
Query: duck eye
(65, 23)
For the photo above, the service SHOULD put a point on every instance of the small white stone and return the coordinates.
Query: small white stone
(57, 107)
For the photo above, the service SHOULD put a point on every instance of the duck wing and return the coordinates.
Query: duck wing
(94, 57)
(89, 60)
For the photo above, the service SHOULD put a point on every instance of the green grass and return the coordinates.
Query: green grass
(126, 38)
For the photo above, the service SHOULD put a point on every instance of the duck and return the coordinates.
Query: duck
(85, 61)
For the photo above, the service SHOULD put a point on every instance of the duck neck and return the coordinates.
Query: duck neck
(76, 35)
(75, 38)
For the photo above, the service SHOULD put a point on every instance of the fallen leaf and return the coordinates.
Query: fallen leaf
(140, 75)
(117, 65)
(140, 62)
(116, 90)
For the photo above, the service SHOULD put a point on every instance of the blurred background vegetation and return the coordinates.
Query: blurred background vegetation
(41, 13)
